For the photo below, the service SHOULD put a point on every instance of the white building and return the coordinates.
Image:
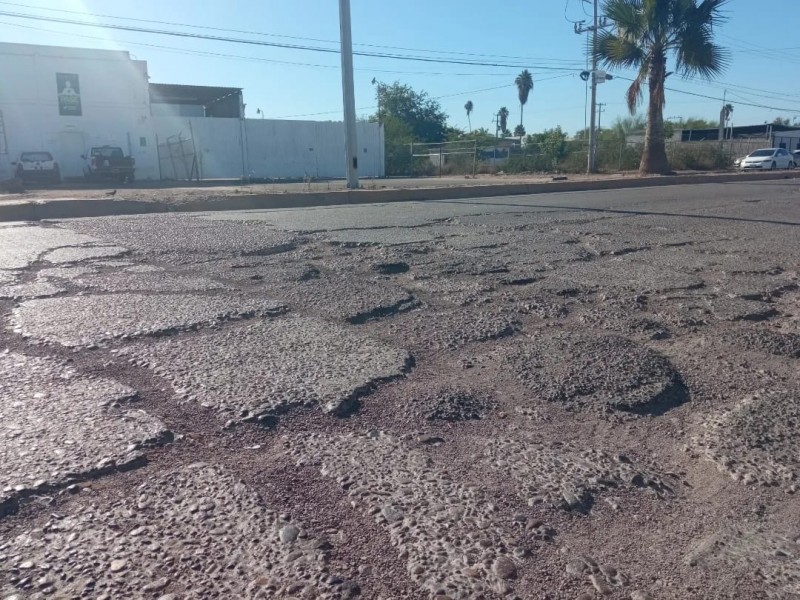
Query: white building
(66, 100)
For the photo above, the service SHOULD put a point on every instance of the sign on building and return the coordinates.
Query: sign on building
(69, 94)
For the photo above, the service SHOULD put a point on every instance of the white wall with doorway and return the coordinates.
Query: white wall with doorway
(106, 102)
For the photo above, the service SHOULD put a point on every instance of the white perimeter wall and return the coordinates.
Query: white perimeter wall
(114, 99)
(265, 148)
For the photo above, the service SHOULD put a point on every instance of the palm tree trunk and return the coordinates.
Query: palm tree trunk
(470, 123)
(654, 157)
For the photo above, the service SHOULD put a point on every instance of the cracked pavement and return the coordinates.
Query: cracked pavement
(566, 396)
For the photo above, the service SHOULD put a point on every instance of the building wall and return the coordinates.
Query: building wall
(265, 148)
(114, 99)
(789, 139)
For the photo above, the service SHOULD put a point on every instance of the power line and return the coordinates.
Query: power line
(216, 38)
(251, 58)
(489, 89)
(789, 110)
(258, 33)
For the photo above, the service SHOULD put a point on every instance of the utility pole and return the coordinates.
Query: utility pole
(580, 29)
(348, 94)
(601, 108)
(721, 134)
(590, 163)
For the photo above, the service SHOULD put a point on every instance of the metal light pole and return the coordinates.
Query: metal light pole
(590, 164)
(348, 95)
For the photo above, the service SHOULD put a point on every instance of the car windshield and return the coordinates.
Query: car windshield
(762, 153)
(107, 152)
(35, 156)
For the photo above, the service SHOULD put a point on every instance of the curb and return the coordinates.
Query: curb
(106, 207)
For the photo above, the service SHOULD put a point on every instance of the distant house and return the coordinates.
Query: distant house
(744, 132)
(787, 139)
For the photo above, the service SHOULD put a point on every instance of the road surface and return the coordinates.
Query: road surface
(577, 396)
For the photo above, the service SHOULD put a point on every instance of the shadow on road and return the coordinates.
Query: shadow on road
(616, 211)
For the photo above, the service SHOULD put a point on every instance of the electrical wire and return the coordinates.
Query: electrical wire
(489, 89)
(307, 39)
(187, 51)
(789, 110)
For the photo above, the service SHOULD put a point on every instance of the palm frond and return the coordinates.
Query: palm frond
(627, 16)
(613, 50)
(634, 95)
(697, 55)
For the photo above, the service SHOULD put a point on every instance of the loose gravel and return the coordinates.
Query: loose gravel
(192, 533)
(59, 426)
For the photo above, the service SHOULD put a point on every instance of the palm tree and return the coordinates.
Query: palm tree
(503, 119)
(524, 83)
(647, 31)
(468, 107)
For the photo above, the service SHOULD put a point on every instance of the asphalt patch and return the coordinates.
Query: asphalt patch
(59, 426)
(261, 370)
(603, 372)
(89, 320)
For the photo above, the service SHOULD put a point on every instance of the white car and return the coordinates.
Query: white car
(768, 159)
(37, 166)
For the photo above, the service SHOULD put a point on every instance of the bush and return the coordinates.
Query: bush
(698, 156)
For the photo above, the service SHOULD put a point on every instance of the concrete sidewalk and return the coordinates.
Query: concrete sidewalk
(162, 201)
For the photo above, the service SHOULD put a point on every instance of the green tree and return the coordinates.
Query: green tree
(519, 131)
(468, 107)
(548, 148)
(422, 115)
(781, 121)
(524, 83)
(502, 116)
(646, 33)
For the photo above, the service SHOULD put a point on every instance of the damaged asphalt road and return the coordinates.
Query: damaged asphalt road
(572, 396)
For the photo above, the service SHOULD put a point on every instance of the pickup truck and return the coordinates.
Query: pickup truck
(109, 162)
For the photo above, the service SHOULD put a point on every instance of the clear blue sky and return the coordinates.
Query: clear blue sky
(762, 36)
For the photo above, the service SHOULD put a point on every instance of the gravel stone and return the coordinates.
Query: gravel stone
(89, 320)
(604, 371)
(769, 559)
(452, 330)
(59, 426)
(772, 342)
(347, 299)
(756, 441)
(450, 403)
(227, 552)
(147, 282)
(449, 526)
(565, 476)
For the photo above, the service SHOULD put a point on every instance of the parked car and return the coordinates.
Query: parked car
(37, 166)
(109, 162)
(796, 155)
(768, 159)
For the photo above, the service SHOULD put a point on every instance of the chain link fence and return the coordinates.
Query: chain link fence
(567, 156)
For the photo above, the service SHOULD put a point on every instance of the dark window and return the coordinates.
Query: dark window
(35, 156)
